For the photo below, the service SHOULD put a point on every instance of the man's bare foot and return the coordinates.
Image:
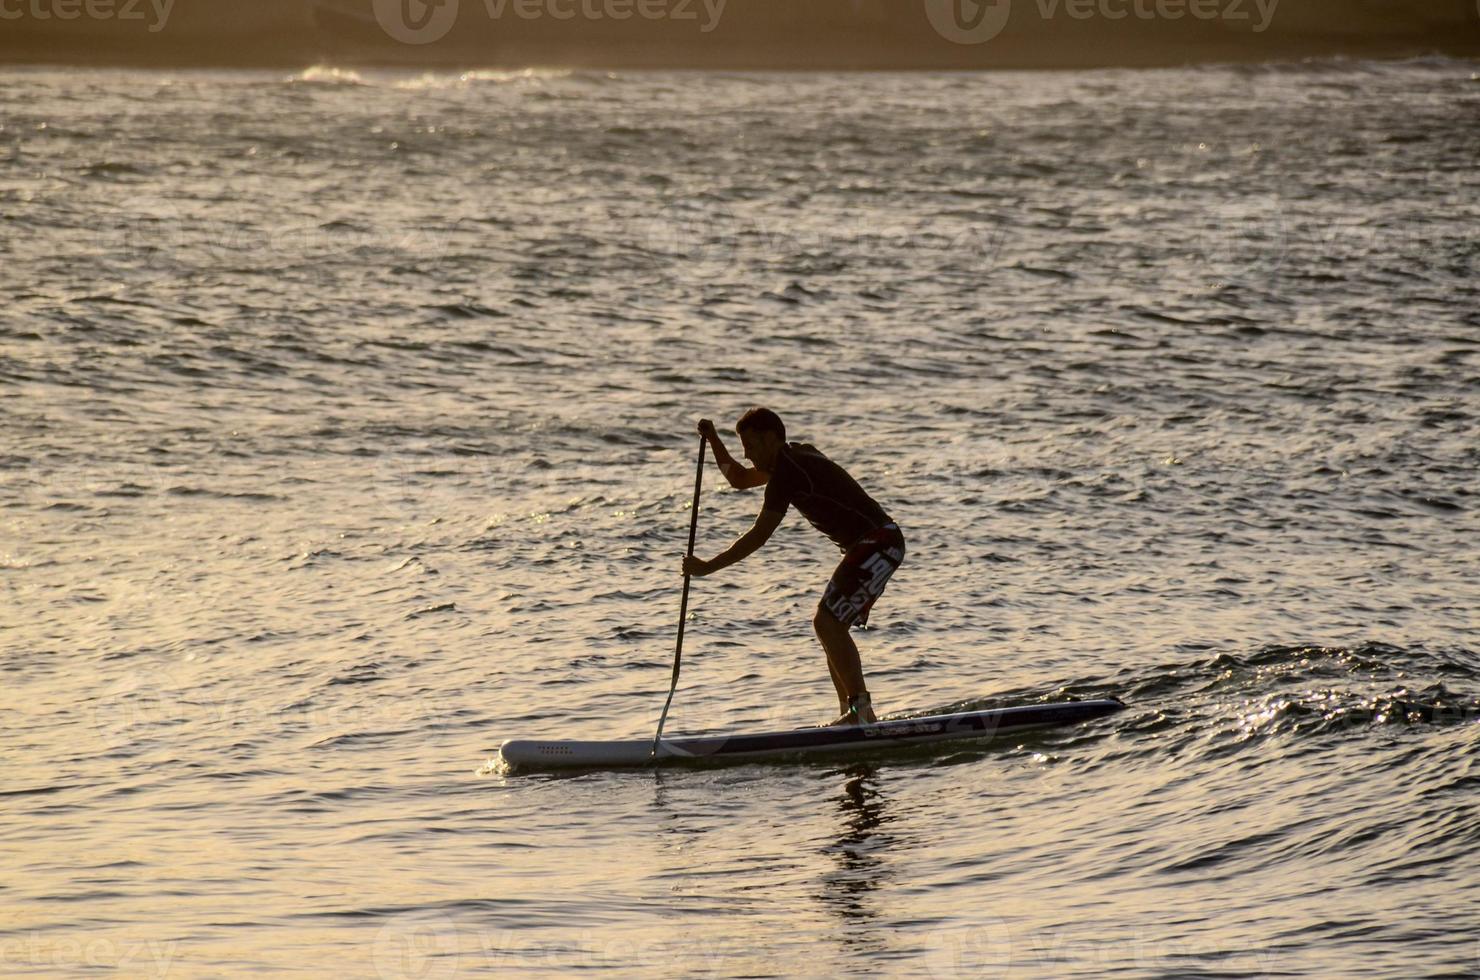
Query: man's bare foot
(860, 712)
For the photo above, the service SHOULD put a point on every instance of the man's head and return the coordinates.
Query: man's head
(762, 433)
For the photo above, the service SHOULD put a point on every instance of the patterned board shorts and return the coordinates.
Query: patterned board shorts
(861, 576)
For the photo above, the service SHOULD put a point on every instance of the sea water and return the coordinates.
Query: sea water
(347, 429)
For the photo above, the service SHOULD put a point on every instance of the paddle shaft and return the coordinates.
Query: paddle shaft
(683, 606)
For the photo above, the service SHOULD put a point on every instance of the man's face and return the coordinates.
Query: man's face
(760, 448)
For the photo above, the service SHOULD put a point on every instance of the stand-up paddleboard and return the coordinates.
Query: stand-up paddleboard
(802, 742)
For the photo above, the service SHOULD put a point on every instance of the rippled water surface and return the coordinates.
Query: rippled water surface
(348, 431)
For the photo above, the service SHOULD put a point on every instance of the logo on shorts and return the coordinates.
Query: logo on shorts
(416, 21)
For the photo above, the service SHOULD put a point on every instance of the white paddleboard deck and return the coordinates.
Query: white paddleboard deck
(802, 742)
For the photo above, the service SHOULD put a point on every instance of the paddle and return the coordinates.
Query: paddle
(683, 608)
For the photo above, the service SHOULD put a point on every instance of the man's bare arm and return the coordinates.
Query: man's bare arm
(741, 477)
(745, 545)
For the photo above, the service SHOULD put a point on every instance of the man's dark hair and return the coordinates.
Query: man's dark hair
(761, 420)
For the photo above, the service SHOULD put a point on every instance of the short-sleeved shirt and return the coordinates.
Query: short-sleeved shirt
(824, 493)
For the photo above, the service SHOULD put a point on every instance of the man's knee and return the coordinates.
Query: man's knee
(825, 623)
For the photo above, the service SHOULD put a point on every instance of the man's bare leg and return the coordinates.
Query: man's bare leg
(837, 683)
(843, 662)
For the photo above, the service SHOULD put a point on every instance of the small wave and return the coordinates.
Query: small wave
(327, 75)
(417, 563)
(36, 790)
(495, 766)
(358, 738)
(109, 169)
(468, 311)
(1062, 274)
(1332, 711)
(125, 490)
(442, 607)
(1333, 65)
(434, 80)
(1232, 702)
(365, 674)
(184, 491)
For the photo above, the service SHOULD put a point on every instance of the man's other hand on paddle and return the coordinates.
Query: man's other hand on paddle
(696, 566)
(745, 545)
(740, 477)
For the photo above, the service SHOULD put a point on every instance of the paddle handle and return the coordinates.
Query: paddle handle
(683, 606)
